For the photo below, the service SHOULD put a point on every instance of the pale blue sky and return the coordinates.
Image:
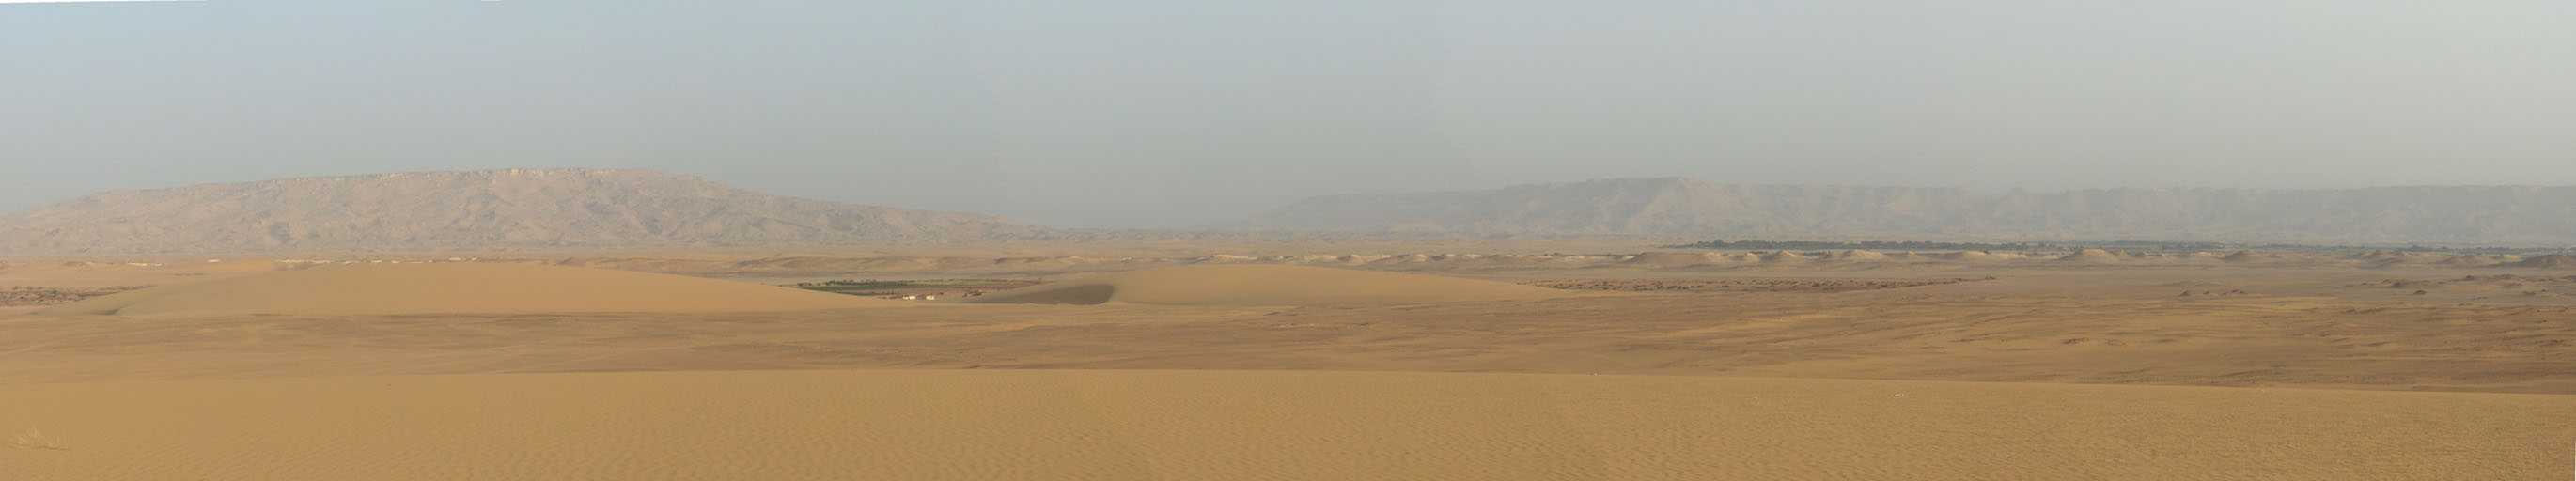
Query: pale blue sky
(1176, 113)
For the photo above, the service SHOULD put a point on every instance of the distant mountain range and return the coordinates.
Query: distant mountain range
(587, 208)
(1686, 208)
(476, 209)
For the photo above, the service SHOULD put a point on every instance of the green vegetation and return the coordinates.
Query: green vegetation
(873, 287)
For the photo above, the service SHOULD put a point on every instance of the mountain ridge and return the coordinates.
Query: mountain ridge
(472, 209)
(1683, 207)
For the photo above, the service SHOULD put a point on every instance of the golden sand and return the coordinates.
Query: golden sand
(1259, 425)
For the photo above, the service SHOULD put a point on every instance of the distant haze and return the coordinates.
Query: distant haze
(1176, 114)
(471, 210)
(2531, 216)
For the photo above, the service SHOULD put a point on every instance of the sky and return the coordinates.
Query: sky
(1186, 113)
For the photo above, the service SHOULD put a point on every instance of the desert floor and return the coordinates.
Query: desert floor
(1825, 370)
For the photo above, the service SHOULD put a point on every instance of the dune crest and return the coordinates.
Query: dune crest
(2092, 256)
(1860, 256)
(456, 288)
(1678, 259)
(1255, 284)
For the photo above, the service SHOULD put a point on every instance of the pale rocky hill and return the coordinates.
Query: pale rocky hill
(1675, 207)
(471, 210)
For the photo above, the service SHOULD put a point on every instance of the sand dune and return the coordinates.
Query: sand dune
(2092, 256)
(1283, 425)
(1783, 257)
(458, 287)
(1975, 256)
(1266, 285)
(1677, 259)
(1860, 256)
(253, 396)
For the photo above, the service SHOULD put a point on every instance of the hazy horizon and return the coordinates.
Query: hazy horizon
(1177, 114)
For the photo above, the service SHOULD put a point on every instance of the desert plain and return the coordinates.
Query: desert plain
(1493, 361)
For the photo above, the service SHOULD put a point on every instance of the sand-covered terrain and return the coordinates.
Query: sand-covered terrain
(1133, 425)
(1770, 365)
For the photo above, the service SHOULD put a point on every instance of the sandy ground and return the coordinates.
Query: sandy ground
(2277, 370)
(2337, 328)
(1124, 425)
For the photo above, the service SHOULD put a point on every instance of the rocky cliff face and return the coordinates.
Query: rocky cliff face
(1684, 207)
(465, 210)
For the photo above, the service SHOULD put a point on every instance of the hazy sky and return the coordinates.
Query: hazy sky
(1173, 113)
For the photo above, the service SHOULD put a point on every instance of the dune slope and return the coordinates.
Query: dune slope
(1266, 285)
(1274, 425)
(458, 288)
